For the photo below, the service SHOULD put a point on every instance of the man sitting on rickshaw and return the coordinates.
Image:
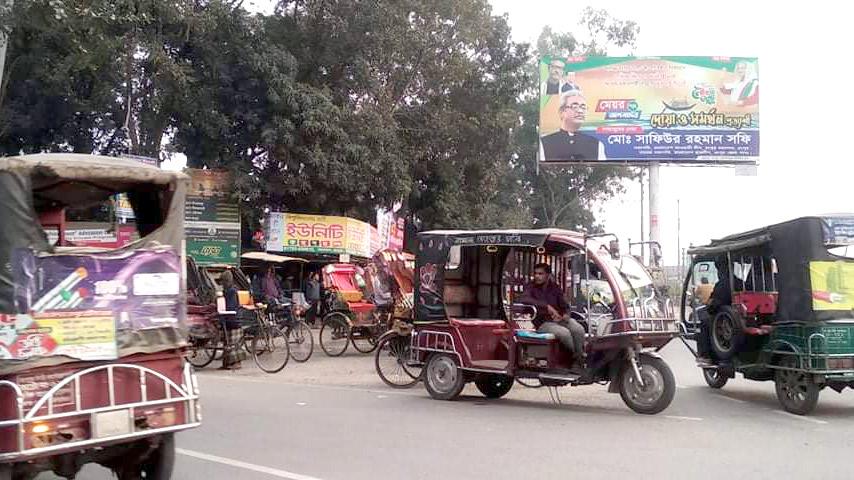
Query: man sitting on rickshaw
(553, 311)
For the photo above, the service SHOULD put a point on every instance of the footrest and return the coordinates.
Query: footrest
(567, 377)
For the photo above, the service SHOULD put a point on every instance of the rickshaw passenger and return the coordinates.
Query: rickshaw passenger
(553, 311)
(270, 285)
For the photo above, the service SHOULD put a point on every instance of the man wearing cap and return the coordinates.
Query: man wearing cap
(555, 81)
(568, 144)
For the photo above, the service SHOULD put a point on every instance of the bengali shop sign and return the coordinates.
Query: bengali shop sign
(642, 109)
(320, 234)
(212, 219)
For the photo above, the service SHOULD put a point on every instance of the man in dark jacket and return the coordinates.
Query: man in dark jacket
(552, 311)
(568, 144)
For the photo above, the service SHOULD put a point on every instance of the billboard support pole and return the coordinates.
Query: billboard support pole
(642, 233)
(654, 232)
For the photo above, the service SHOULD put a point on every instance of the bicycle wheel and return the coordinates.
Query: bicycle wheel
(392, 362)
(270, 349)
(335, 334)
(364, 339)
(300, 341)
(202, 351)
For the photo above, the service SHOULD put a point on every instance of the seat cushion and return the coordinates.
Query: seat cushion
(360, 307)
(534, 335)
(461, 322)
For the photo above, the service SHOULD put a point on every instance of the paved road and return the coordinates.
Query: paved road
(310, 423)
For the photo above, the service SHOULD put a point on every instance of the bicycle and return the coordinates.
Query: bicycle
(297, 331)
(263, 339)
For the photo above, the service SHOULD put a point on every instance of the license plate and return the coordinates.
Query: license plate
(111, 424)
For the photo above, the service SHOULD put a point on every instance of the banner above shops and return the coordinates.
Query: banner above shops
(642, 109)
(320, 234)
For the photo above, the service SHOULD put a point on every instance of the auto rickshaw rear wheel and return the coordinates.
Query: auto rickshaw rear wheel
(727, 332)
(493, 385)
(443, 378)
(796, 389)
(157, 466)
(657, 390)
(714, 377)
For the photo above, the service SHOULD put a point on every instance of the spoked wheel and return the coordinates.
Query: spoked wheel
(158, 465)
(202, 352)
(392, 362)
(714, 378)
(335, 334)
(727, 332)
(493, 386)
(270, 349)
(363, 339)
(657, 390)
(301, 341)
(796, 389)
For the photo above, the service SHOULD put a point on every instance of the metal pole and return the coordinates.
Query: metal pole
(5, 8)
(679, 237)
(654, 232)
(642, 222)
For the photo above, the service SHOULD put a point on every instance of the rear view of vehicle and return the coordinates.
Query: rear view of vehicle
(91, 320)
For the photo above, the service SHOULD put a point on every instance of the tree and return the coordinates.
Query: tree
(563, 196)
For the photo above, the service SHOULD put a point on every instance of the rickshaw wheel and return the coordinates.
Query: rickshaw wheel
(363, 339)
(657, 391)
(796, 390)
(493, 385)
(200, 354)
(391, 360)
(271, 350)
(158, 465)
(727, 332)
(443, 379)
(335, 334)
(714, 378)
(301, 341)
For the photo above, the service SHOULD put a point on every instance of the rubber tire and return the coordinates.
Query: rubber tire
(714, 378)
(260, 349)
(493, 385)
(669, 390)
(210, 351)
(810, 395)
(7, 471)
(309, 337)
(330, 321)
(458, 383)
(157, 466)
(363, 344)
(738, 335)
(399, 350)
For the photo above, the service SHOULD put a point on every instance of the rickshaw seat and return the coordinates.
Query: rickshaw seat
(534, 335)
(464, 322)
(361, 307)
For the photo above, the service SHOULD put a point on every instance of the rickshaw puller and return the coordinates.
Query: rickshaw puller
(552, 312)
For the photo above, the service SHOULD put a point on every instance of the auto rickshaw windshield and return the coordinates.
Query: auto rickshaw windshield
(632, 278)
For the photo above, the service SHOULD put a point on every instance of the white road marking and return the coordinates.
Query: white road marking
(382, 396)
(676, 417)
(800, 417)
(302, 404)
(730, 398)
(244, 465)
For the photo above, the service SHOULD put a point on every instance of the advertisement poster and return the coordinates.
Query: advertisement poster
(320, 234)
(212, 219)
(640, 109)
(832, 285)
(390, 228)
(73, 305)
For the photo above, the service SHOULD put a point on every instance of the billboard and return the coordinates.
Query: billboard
(212, 219)
(641, 109)
(320, 234)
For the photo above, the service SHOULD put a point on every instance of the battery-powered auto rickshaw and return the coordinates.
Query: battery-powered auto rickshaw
(471, 327)
(92, 365)
(776, 303)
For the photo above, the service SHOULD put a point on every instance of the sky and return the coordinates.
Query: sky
(805, 165)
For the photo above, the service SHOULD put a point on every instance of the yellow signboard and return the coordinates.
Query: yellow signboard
(832, 285)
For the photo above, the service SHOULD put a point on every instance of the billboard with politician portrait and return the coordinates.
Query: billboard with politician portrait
(643, 109)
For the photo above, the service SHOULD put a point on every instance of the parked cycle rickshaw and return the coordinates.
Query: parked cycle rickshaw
(470, 328)
(350, 316)
(775, 304)
(284, 312)
(392, 359)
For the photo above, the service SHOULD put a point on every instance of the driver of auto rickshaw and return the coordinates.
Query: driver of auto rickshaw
(553, 312)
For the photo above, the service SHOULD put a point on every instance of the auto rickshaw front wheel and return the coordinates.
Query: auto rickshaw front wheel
(493, 385)
(658, 387)
(796, 389)
(443, 379)
(714, 377)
